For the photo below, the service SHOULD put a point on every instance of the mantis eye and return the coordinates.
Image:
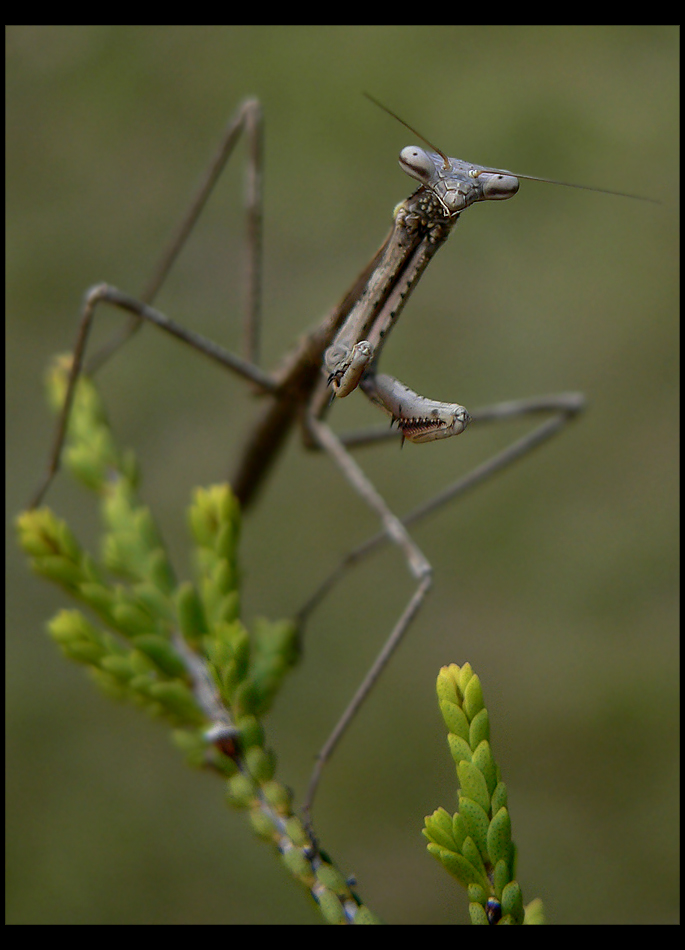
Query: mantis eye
(417, 163)
(498, 187)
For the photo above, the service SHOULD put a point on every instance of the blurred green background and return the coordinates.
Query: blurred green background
(558, 581)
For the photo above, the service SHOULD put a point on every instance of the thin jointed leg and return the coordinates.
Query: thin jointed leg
(416, 562)
(247, 119)
(563, 406)
(103, 293)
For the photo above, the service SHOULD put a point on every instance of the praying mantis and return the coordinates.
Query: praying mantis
(335, 359)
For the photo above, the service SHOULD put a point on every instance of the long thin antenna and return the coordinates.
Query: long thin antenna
(570, 184)
(503, 171)
(411, 129)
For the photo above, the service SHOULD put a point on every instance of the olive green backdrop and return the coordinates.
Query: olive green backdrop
(558, 582)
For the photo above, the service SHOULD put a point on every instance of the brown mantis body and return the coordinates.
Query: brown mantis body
(337, 357)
